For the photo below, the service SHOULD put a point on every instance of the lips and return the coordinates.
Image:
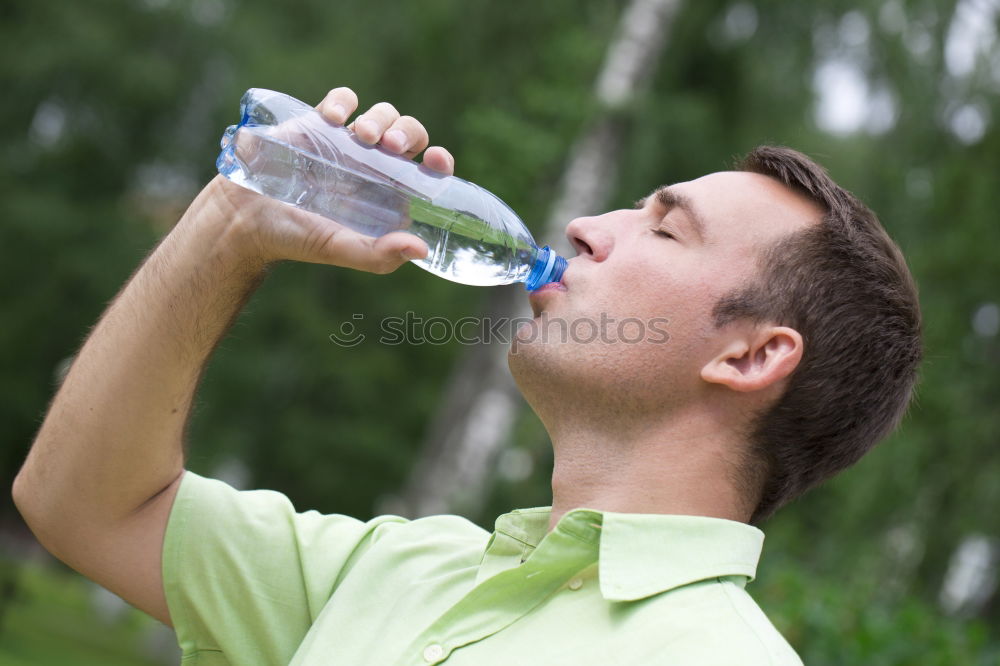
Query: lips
(551, 286)
(562, 283)
(543, 294)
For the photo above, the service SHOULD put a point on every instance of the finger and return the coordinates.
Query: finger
(376, 255)
(372, 124)
(406, 136)
(338, 105)
(439, 159)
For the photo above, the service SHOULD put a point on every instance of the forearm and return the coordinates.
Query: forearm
(113, 437)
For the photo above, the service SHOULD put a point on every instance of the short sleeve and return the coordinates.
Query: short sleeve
(245, 576)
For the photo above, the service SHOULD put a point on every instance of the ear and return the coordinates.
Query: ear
(755, 359)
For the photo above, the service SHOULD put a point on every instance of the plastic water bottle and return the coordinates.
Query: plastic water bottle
(285, 149)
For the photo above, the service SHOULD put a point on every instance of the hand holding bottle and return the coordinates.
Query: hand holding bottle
(271, 231)
(289, 151)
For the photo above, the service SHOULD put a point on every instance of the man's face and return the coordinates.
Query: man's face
(646, 281)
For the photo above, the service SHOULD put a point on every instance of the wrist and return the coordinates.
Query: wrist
(222, 219)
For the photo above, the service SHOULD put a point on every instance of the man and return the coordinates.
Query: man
(793, 347)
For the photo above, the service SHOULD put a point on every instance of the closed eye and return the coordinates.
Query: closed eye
(665, 234)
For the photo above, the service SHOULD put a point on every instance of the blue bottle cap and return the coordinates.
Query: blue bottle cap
(548, 267)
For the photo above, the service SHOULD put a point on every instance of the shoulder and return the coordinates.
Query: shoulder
(435, 541)
(714, 622)
(208, 509)
(753, 630)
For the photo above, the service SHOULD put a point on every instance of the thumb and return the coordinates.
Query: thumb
(391, 251)
(410, 246)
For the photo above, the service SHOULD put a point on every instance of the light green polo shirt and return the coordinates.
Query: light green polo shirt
(250, 581)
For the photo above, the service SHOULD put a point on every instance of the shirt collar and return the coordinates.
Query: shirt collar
(640, 555)
(645, 554)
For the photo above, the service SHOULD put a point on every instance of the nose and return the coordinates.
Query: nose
(590, 237)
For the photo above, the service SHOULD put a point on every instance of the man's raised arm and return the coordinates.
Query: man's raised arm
(99, 482)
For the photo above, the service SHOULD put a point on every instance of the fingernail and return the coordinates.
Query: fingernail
(395, 139)
(410, 253)
(366, 128)
(339, 113)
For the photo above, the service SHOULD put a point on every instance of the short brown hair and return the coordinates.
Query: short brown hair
(844, 286)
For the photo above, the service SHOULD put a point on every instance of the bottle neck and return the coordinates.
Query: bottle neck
(547, 267)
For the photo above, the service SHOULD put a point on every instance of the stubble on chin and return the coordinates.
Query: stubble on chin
(534, 363)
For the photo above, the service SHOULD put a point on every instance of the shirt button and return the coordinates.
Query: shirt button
(433, 653)
(575, 584)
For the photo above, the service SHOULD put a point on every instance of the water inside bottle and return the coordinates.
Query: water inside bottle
(462, 247)
(466, 249)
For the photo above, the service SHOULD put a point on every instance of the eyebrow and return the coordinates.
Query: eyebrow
(670, 199)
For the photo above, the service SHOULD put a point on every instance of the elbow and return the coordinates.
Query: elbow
(19, 493)
(41, 520)
(23, 501)
(30, 503)
(22, 494)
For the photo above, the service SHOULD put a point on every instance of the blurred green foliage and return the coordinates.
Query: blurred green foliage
(52, 621)
(111, 118)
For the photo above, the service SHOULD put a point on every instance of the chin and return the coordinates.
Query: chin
(534, 344)
(533, 364)
(524, 356)
(543, 368)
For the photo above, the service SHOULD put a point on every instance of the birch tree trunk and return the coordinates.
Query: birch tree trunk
(481, 403)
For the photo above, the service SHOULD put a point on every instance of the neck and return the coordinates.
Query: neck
(684, 467)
